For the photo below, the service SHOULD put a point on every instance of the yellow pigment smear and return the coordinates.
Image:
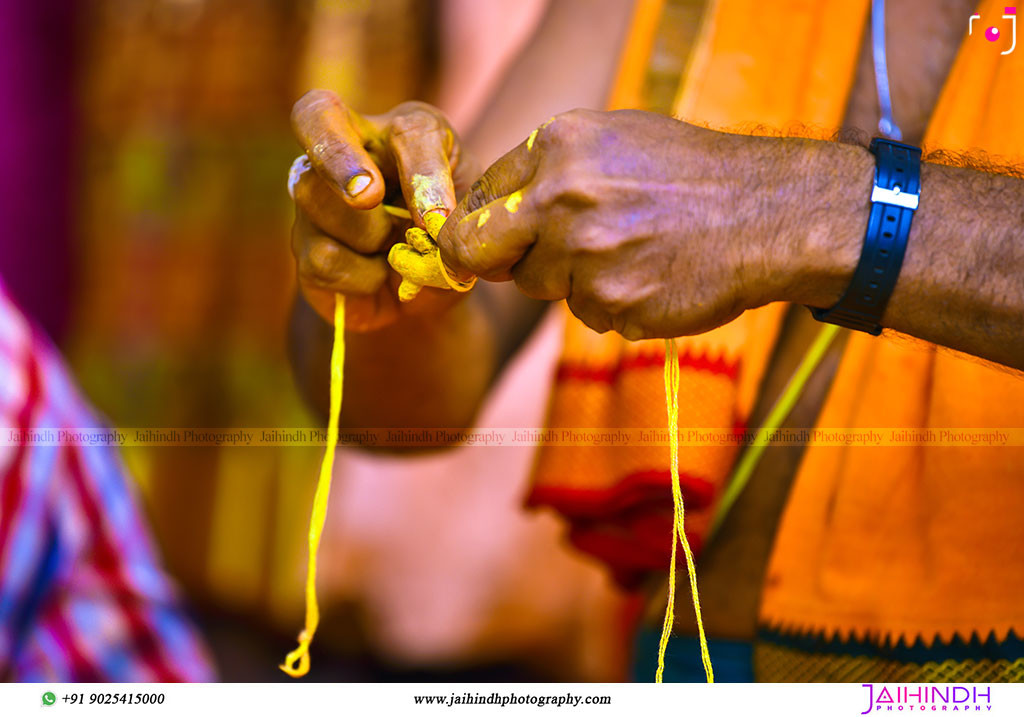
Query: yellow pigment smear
(531, 139)
(678, 533)
(512, 203)
(428, 192)
(323, 490)
(533, 135)
(484, 217)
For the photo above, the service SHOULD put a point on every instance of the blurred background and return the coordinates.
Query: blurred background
(145, 146)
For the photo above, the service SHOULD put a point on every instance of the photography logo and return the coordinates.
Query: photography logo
(993, 33)
(927, 698)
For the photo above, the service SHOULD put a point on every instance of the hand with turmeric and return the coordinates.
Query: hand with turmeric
(430, 361)
(407, 361)
(354, 167)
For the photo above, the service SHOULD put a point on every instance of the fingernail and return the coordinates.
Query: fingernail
(357, 184)
(434, 220)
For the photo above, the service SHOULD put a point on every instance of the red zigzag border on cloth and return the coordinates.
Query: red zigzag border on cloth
(578, 371)
(626, 494)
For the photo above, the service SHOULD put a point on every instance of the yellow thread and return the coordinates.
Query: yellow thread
(300, 654)
(323, 491)
(455, 284)
(512, 203)
(485, 215)
(678, 532)
(400, 212)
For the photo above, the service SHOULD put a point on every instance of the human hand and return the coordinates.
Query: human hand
(656, 228)
(353, 166)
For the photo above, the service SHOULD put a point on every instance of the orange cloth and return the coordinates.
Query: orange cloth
(617, 498)
(908, 541)
(902, 541)
(617, 495)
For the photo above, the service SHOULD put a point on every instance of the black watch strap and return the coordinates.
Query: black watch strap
(894, 200)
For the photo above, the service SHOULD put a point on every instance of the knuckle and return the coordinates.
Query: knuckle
(569, 187)
(483, 191)
(612, 295)
(538, 280)
(575, 116)
(319, 264)
(566, 125)
(628, 328)
(467, 255)
(580, 189)
(317, 96)
(586, 238)
(553, 135)
(470, 254)
(329, 154)
(547, 191)
(411, 106)
(313, 101)
(417, 121)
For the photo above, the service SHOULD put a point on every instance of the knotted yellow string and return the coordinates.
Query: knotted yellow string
(678, 532)
(323, 490)
(300, 654)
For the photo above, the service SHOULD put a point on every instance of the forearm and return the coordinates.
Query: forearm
(962, 280)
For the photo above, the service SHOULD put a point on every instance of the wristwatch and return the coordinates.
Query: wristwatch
(894, 199)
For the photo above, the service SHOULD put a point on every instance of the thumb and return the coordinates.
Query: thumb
(325, 129)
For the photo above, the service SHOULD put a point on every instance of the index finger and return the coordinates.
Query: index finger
(423, 144)
(325, 129)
